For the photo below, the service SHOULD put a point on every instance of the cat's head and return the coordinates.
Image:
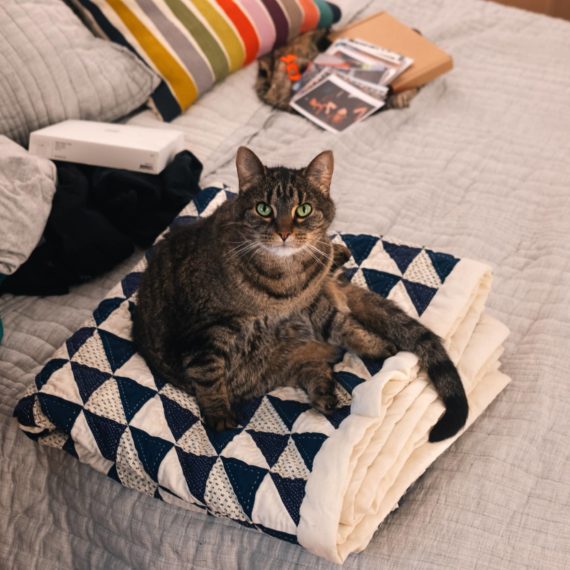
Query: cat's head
(285, 210)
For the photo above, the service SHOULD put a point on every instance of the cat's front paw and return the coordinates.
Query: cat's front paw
(325, 403)
(388, 350)
(341, 254)
(221, 423)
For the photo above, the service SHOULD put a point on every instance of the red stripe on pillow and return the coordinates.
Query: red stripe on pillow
(244, 27)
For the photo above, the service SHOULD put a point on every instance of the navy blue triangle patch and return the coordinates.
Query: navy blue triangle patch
(151, 450)
(288, 410)
(349, 272)
(105, 308)
(69, 447)
(360, 245)
(338, 416)
(292, 493)
(230, 195)
(46, 372)
(178, 418)
(403, 255)
(308, 445)
(87, 379)
(245, 480)
(24, 411)
(380, 282)
(220, 439)
(271, 445)
(117, 349)
(204, 198)
(131, 283)
(421, 295)
(78, 339)
(159, 380)
(133, 395)
(196, 469)
(113, 474)
(182, 221)
(443, 263)
(246, 410)
(348, 380)
(107, 434)
(60, 412)
(373, 365)
(132, 310)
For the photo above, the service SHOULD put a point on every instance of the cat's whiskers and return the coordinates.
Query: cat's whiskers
(314, 252)
(313, 255)
(241, 249)
(247, 250)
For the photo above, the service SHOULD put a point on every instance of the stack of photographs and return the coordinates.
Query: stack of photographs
(347, 83)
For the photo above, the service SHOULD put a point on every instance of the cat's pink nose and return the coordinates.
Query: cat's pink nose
(284, 235)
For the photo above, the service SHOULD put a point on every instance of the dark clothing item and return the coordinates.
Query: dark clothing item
(98, 216)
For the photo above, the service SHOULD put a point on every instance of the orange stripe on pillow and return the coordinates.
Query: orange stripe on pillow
(173, 73)
(311, 15)
(244, 27)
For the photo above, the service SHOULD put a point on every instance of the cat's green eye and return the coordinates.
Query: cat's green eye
(263, 209)
(304, 210)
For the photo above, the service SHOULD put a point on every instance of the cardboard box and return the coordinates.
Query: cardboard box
(139, 149)
(385, 31)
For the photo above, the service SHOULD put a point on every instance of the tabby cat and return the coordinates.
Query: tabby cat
(250, 298)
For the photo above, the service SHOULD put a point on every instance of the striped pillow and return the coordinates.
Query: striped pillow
(193, 44)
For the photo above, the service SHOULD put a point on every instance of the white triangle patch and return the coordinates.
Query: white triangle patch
(106, 402)
(421, 270)
(220, 496)
(151, 419)
(129, 468)
(291, 464)
(244, 448)
(196, 441)
(267, 419)
(92, 353)
(269, 509)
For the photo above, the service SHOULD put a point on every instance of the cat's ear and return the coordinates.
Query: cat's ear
(320, 170)
(249, 168)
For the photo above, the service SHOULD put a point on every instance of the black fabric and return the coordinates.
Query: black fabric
(98, 216)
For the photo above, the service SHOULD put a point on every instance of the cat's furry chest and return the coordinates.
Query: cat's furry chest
(278, 288)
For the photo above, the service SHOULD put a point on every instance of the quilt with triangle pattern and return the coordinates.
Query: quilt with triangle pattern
(324, 482)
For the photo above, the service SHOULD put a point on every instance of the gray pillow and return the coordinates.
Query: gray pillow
(27, 186)
(52, 68)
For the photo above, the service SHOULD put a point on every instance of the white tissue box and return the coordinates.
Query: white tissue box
(139, 149)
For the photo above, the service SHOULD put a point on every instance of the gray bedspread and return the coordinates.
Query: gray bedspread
(479, 167)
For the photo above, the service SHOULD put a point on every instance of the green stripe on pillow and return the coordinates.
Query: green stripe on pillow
(327, 16)
(208, 43)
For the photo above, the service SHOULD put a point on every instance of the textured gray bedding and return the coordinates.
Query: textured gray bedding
(478, 166)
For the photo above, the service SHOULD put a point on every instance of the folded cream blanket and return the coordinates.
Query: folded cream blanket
(323, 482)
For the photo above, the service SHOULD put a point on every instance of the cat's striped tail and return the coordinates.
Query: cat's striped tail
(449, 387)
(390, 322)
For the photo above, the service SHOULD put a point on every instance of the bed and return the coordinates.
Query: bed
(478, 166)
